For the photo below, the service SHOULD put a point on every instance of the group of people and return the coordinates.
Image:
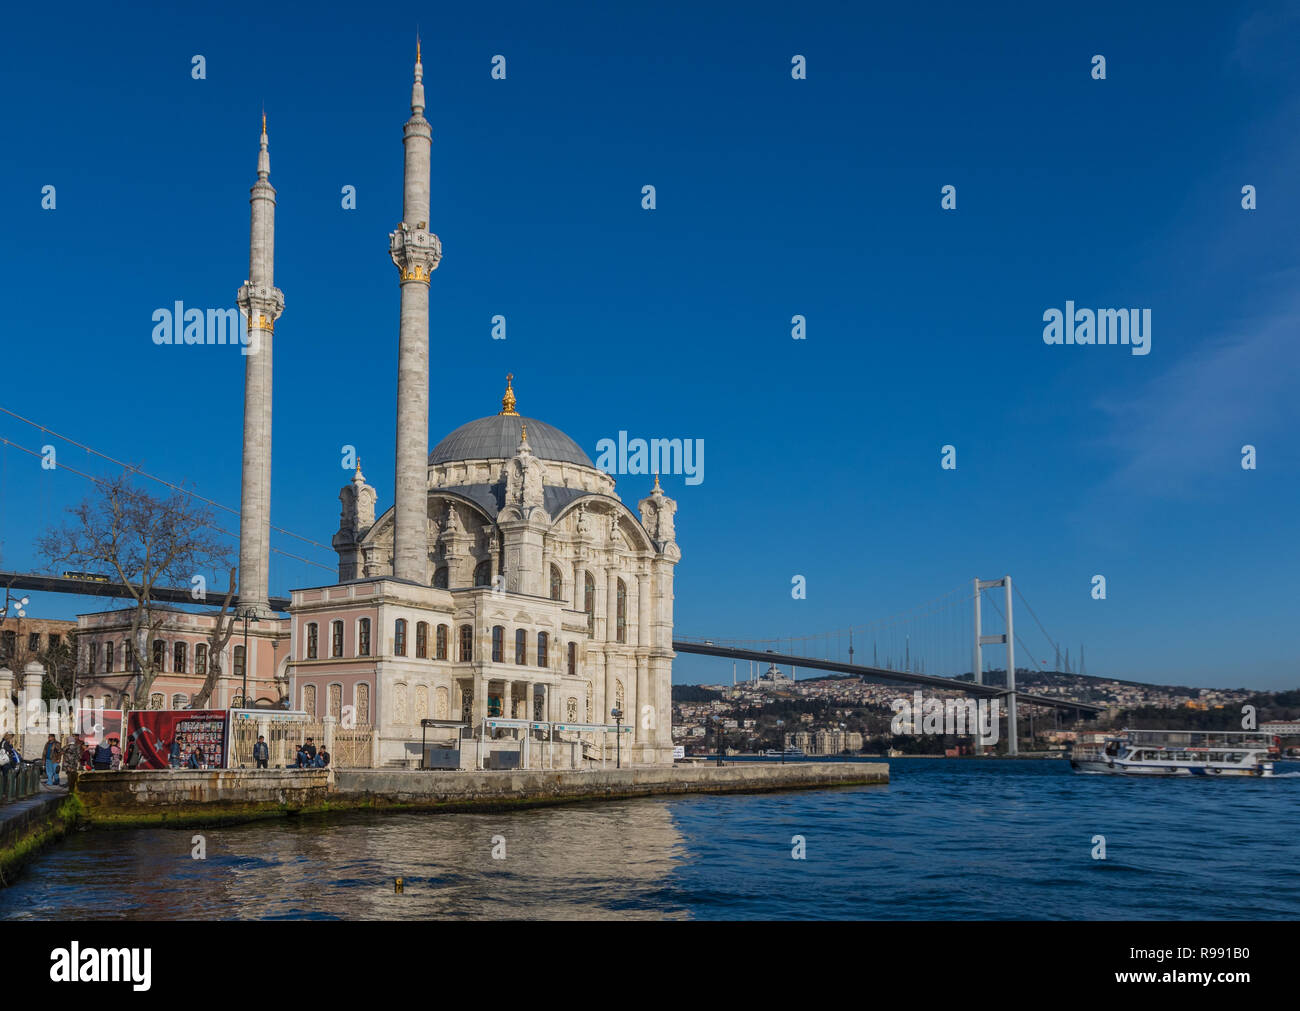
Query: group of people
(307, 758)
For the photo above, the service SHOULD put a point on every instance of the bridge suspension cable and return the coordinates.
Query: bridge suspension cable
(143, 473)
(99, 480)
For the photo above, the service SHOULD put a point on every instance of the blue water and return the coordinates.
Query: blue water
(946, 839)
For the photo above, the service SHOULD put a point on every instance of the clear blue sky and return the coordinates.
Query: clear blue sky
(775, 197)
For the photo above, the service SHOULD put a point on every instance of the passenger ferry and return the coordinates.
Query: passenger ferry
(790, 752)
(1174, 753)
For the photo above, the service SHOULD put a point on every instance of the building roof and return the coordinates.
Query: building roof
(497, 438)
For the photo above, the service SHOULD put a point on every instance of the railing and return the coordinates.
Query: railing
(15, 784)
(350, 748)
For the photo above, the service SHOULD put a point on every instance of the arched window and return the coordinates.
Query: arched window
(399, 637)
(130, 664)
(541, 649)
(335, 701)
(94, 656)
(440, 652)
(309, 700)
(521, 646)
(557, 583)
(573, 659)
(201, 659)
(156, 700)
(336, 638)
(440, 577)
(239, 661)
(589, 601)
(178, 658)
(180, 700)
(466, 643)
(108, 658)
(498, 643)
(483, 573)
(422, 640)
(159, 652)
(313, 640)
(621, 626)
(363, 637)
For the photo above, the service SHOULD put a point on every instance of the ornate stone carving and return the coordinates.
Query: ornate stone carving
(399, 704)
(440, 703)
(415, 251)
(421, 703)
(571, 709)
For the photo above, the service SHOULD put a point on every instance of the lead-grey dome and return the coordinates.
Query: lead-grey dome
(497, 438)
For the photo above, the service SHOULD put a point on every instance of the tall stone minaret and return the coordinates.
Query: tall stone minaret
(416, 252)
(261, 303)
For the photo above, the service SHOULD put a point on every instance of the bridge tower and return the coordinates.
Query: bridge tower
(981, 640)
(261, 304)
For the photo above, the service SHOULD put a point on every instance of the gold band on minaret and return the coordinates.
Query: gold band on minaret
(508, 401)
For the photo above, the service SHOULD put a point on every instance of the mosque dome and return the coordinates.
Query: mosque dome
(497, 438)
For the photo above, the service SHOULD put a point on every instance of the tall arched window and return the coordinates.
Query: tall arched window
(621, 626)
(573, 659)
(201, 659)
(399, 637)
(309, 700)
(108, 658)
(336, 638)
(557, 583)
(466, 643)
(440, 652)
(361, 693)
(159, 651)
(94, 657)
(239, 661)
(541, 649)
(498, 644)
(483, 573)
(422, 640)
(589, 601)
(521, 646)
(178, 658)
(363, 637)
(313, 640)
(180, 700)
(440, 577)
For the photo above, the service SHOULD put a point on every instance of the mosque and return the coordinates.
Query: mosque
(508, 580)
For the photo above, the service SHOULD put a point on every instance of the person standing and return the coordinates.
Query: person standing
(72, 757)
(261, 753)
(51, 755)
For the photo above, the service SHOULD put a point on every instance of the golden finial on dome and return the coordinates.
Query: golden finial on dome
(508, 401)
(523, 433)
(656, 487)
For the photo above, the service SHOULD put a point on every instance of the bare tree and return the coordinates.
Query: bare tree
(148, 543)
(60, 661)
(217, 639)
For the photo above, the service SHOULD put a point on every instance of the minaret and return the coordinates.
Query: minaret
(416, 252)
(261, 303)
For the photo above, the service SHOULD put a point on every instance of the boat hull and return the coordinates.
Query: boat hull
(1186, 771)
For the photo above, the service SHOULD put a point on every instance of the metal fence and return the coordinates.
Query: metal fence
(15, 784)
(349, 748)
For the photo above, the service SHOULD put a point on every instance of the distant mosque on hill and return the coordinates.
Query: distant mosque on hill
(508, 580)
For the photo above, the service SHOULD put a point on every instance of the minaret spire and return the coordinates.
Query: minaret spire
(261, 304)
(416, 252)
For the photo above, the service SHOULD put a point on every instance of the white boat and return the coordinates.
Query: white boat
(788, 753)
(1174, 753)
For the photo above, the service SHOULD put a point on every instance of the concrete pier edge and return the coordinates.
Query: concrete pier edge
(214, 797)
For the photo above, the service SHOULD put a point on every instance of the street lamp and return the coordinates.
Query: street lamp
(248, 615)
(618, 737)
(780, 739)
(18, 604)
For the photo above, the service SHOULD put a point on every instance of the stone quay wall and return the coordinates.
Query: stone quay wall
(194, 797)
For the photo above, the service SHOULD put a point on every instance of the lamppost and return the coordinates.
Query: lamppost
(248, 615)
(618, 737)
(780, 736)
(717, 737)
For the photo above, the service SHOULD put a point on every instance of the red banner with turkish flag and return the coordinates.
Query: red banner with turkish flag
(150, 733)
